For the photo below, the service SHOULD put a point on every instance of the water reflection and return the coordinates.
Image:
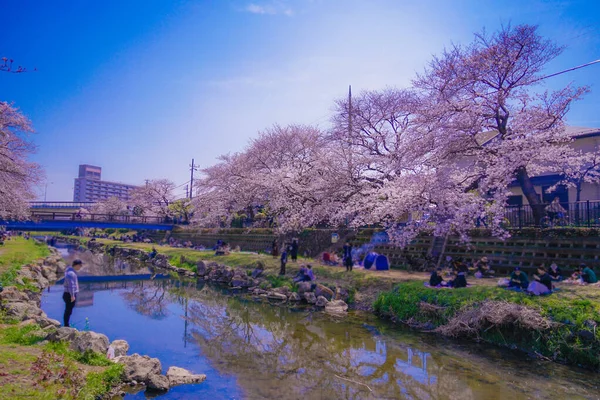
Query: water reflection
(278, 353)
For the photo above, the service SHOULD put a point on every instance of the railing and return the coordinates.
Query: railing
(60, 204)
(579, 214)
(128, 219)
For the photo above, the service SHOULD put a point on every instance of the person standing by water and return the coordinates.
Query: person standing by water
(71, 289)
(283, 261)
(348, 262)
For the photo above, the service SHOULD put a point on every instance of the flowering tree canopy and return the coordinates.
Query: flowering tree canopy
(18, 176)
(154, 198)
(437, 156)
(111, 207)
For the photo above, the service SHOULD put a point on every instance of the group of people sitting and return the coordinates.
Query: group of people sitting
(458, 277)
(543, 280)
(305, 274)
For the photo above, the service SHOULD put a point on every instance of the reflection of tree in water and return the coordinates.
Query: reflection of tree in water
(149, 298)
(275, 353)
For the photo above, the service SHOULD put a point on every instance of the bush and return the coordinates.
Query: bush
(100, 383)
(279, 281)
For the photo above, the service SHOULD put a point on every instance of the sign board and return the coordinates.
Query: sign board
(335, 237)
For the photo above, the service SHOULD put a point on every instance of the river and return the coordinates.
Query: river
(252, 350)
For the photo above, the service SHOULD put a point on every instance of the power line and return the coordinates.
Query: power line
(568, 70)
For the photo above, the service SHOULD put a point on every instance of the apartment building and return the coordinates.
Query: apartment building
(89, 186)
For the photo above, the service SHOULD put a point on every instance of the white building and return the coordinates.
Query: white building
(89, 186)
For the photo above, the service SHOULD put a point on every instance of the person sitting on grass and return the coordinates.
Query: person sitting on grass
(310, 274)
(483, 269)
(587, 274)
(518, 280)
(301, 275)
(436, 278)
(555, 273)
(542, 283)
(460, 280)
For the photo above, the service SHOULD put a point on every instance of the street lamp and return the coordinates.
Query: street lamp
(46, 189)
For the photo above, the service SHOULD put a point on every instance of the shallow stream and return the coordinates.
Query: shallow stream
(252, 350)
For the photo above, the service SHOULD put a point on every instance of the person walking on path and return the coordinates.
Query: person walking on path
(294, 250)
(283, 261)
(71, 289)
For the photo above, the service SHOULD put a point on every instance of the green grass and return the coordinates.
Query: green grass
(15, 253)
(88, 357)
(567, 307)
(23, 335)
(100, 383)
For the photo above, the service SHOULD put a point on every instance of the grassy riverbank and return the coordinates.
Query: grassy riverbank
(15, 253)
(561, 326)
(51, 371)
(34, 371)
(363, 285)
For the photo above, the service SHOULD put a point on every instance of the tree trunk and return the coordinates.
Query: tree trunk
(577, 200)
(537, 207)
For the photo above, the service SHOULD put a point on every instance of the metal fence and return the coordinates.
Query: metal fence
(128, 219)
(61, 204)
(578, 214)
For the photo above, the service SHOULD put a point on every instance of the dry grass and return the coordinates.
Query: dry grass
(473, 320)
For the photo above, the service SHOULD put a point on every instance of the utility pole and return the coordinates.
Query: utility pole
(147, 180)
(192, 169)
(349, 110)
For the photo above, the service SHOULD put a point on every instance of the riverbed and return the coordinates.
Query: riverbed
(255, 350)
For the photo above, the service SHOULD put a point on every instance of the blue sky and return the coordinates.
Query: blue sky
(140, 87)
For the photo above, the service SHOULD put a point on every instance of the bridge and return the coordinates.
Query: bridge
(58, 216)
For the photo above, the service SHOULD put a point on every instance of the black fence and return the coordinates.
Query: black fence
(579, 214)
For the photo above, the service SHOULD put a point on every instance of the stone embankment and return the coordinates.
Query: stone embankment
(24, 305)
(254, 282)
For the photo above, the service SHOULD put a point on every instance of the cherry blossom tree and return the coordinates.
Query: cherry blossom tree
(18, 176)
(111, 207)
(6, 65)
(287, 172)
(435, 157)
(154, 198)
(485, 114)
(181, 209)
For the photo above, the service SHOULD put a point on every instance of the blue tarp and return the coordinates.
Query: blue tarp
(381, 263)
(369, 260)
